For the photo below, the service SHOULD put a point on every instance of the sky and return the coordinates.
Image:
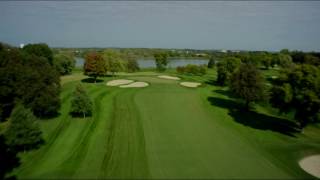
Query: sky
(234, 25)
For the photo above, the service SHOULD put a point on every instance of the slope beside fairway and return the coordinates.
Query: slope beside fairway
(57, 157)
(110, 144)
(184, 141)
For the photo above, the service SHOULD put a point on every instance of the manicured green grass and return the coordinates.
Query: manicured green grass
(167, 131)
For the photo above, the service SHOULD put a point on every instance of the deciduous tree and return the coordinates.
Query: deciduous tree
(94, 65)
(114, 61)
(81, 103)
(132, 65)
(297, 56)
(247, 83)
(267, 61)
(40, 50)
(285, 60)
(28, 78)
(225, 68)
(298, 90)
(192, 69)
(211, 62)
(161, 60)
(63, 63)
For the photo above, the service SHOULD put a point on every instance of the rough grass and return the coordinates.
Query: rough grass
(167, 131)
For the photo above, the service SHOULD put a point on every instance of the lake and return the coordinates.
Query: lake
(79, 61)
(149, 63)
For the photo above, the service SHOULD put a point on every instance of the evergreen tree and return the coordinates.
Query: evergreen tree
(81, 103)
(23, 132)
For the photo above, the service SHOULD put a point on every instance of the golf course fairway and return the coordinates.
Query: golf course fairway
(161, 131)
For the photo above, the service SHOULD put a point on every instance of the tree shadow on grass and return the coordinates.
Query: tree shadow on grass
(8, 160)
(50, 116)
(109, 75)
(225, 93)
(255, 120)
(80, 115)
(271, 80)
(91, 80)
(212, 82)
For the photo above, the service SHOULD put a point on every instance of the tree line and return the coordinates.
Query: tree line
(29, 90)
(141, 52)
(109, 61)
(297, 89)
(27, 76)
(191, 69)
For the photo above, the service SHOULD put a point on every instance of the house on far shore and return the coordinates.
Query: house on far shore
(21, 46)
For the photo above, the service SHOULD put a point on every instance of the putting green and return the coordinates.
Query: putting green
(163, 131)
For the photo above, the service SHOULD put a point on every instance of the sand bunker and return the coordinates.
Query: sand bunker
(169, 77)
(135, 85)
(190, 84)
(119, 82)
(311, 165)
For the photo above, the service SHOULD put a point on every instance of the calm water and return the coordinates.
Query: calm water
(79, 61)
(149, 63)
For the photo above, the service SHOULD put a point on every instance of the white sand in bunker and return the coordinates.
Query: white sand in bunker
(135, 85)
(311, 165)
(119, 82)
(190, 84)
(169, 77)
